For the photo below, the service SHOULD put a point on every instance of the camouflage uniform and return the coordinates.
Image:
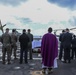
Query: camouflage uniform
(6, 48)
(13, 45)
(30, 45)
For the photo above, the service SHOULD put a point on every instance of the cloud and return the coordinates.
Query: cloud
(72, 21)
(9, 23)
(65, 3)
(11, 2)
(24, 20)
(40, 31)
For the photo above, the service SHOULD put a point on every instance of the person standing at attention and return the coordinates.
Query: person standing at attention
(6, 48)
(61, 44)
(14, 41)
(67, 39)
(30, 43)
(49, 50)
(73, 47)
(23, 39)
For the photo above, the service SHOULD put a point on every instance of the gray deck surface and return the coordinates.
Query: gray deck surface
(34, 67)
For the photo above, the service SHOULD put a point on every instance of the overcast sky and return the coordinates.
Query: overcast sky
(38, 15)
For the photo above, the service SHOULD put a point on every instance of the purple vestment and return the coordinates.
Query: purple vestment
(49, 49)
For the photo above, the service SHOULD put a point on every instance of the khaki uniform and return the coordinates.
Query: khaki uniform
(13, 44)
(6, 48)
(30, 45)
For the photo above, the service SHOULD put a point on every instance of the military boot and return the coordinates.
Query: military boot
(9, 62)
(3, 62)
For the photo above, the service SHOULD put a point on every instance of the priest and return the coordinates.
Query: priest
(49, 50)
